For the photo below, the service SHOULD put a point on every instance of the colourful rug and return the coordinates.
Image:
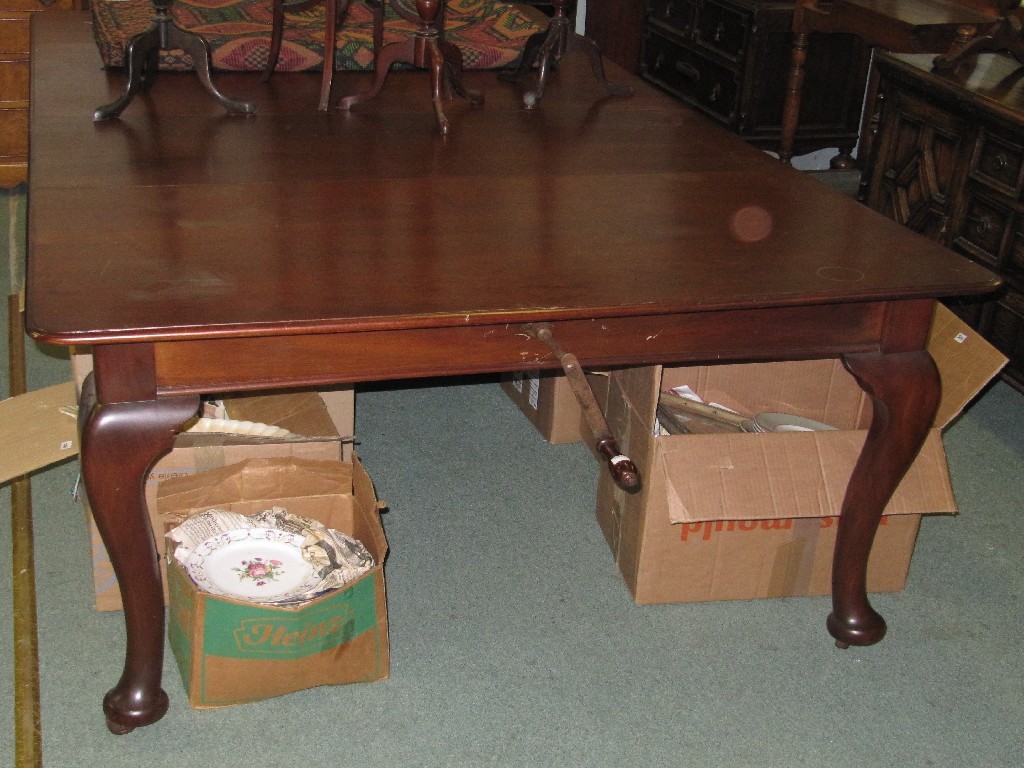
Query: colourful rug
(491, 34)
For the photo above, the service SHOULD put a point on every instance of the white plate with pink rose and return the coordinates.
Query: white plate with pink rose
(256, 564)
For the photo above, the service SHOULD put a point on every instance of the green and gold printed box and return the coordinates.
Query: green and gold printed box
(232, 651)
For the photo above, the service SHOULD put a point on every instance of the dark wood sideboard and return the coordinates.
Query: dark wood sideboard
(729, 59)
(949, 163)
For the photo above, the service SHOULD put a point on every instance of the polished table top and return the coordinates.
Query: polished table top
(198, 252)
(178, 221)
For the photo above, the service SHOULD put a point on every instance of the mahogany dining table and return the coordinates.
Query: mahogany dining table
(197, 252)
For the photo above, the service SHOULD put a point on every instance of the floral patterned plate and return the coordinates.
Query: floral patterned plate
(252, 564)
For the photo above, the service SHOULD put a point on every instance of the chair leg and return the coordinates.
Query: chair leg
(334, 15)
(276, 35)
(330, 46)
(386, 56)
(383, 58)
(794, 92)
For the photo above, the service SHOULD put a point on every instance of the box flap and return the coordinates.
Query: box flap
(303, 413)
(786, 475)
(254, 479)
(44, 434)
(368, 528)
(965, 360)
(223, 439)
(311, 416)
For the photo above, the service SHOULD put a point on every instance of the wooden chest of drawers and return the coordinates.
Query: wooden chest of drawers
(14, 63)
(949, 163)
(730, 58)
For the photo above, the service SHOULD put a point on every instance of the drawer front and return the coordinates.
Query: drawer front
(14, 133)
(676, 15)
(998, 162)
(14, 32)
(722, 29)
(14, 79)
(690, 76)
(983, 229)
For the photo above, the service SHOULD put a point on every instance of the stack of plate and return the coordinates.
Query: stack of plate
(783, 422)
(686, 413)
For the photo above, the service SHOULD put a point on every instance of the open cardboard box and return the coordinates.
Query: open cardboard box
(323, 423)
(232, 651)
(548, 402)
(741, 516)
(46, 428)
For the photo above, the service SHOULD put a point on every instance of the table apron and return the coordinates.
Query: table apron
(268, 362)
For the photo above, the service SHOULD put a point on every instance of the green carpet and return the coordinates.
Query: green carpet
(515, 643)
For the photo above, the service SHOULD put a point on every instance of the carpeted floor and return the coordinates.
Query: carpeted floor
(515, 643)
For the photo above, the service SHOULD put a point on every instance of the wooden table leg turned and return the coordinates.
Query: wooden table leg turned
(904, 391)
(119, 444)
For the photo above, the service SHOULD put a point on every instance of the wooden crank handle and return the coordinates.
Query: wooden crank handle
(624, 471)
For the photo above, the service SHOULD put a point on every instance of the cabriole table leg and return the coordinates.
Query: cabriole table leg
(904, 390)
(119, 444)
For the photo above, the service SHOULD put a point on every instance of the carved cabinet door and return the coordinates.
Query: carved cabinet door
(919, 164)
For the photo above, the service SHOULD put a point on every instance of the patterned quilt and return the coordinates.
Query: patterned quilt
(491, 34)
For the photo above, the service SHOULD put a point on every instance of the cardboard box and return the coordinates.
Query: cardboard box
(547, 400)
(232, 651)
(47, 430)
(324, 421)
(741, 516)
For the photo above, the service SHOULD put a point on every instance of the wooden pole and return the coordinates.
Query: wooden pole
(28, 742)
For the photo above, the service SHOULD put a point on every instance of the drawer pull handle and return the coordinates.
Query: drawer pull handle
(670, 11)
(1001, 161)
(716, 92)
(719, 32)
(688, 71)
